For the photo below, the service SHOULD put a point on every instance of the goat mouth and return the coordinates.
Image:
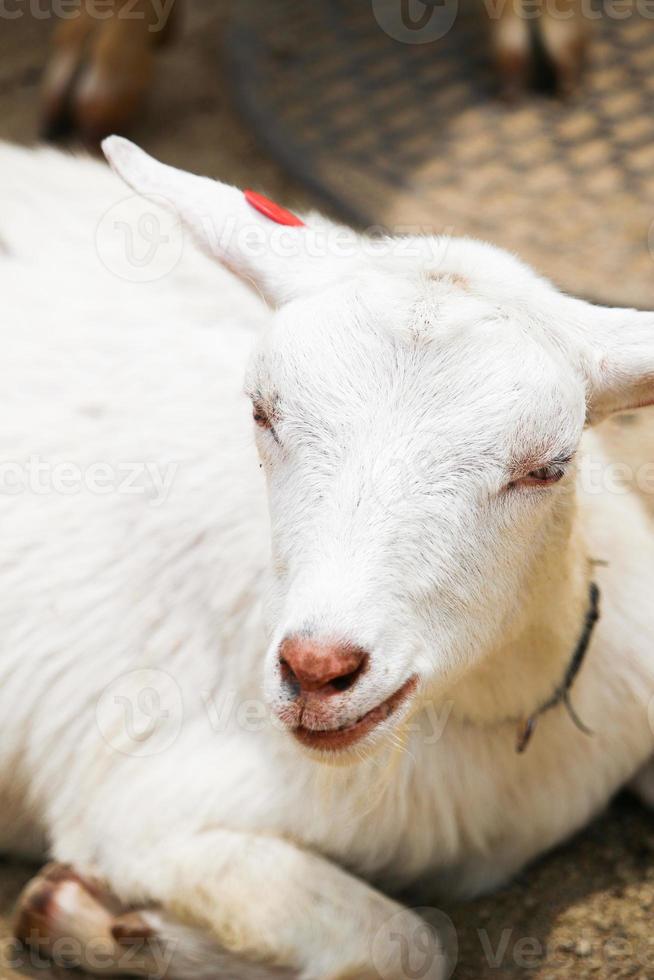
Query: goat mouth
(339, 739)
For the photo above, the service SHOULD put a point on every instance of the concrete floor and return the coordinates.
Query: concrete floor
(588, 908)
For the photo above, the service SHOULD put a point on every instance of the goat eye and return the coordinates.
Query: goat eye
(544, 476)
(260, 417)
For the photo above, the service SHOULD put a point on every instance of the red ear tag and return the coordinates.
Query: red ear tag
(271, 210)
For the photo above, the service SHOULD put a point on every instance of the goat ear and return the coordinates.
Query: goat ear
(269, 256)
(620, 362)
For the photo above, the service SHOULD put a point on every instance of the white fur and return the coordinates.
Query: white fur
(410, 385)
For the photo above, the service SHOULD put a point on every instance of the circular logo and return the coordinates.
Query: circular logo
(141, 712)
(140, 239)
(415, 21)
(419, 944)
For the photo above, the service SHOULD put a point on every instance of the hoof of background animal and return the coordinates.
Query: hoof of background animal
(75, 922)
(547, 53)
(100, 70)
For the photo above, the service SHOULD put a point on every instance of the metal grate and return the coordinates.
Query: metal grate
(414, 135)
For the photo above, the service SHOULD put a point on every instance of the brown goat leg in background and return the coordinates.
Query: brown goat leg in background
(101, 66)
(541, 45)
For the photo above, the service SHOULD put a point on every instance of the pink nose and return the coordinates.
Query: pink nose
(309, 666)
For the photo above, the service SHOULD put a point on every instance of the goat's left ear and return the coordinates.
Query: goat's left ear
(618, 360)
(279, 258)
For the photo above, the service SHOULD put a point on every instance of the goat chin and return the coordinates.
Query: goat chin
(137, 748)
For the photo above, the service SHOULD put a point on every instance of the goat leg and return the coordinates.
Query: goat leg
(542, 45)
(101, 67)
(73, 921)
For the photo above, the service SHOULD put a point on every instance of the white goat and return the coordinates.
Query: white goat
(427, 416)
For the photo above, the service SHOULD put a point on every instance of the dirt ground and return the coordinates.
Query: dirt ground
(583, 912)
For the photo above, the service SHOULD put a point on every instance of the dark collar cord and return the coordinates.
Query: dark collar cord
(562, 693)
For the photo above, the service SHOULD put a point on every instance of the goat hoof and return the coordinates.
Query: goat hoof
(130, 928)
(60, 904)
(75, 922)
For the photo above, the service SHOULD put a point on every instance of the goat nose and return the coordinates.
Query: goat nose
(309, 666)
